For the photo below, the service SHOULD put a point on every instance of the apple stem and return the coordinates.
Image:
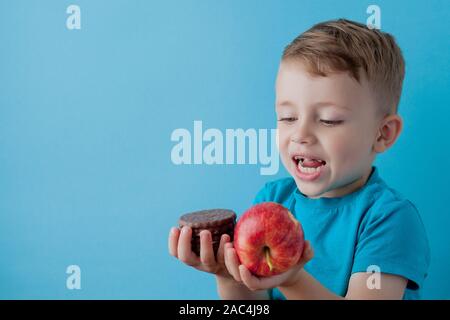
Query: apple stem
(267, 250)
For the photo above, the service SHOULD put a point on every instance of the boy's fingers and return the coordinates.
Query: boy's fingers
(248, 279)
(307, 252)
(308, 249)
(185, 253)
(220, 253)
(310, 252)
(206, 249)
(231, 262)
(307, 245)
(173, 241)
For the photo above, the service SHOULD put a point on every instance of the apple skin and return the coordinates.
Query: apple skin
(268, 239)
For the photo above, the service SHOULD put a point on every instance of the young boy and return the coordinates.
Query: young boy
(337, 92)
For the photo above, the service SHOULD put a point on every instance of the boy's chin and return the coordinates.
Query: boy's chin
(310, 191)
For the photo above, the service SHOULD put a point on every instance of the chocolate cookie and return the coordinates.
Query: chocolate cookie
(217, 221)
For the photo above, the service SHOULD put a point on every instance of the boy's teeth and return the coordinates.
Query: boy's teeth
(307, 170)
(303, 159)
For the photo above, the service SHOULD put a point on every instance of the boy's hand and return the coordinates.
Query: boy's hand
(180, 247)
(241, 274)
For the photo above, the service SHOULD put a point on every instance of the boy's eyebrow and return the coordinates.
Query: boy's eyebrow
(285, 103)
(329, 104)
(317, 105)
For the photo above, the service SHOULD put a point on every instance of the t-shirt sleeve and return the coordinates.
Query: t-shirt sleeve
(262, 195)
(279, 191)
(392, 238)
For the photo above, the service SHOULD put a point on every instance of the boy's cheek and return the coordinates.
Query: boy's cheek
(282, 143)
(284, 154)
(285, 160)
(283, 137)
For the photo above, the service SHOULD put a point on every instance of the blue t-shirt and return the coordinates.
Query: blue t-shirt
(373, 226)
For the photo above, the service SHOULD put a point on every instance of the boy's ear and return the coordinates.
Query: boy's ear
(389, 130)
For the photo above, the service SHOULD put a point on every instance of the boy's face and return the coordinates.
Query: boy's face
(332, 119)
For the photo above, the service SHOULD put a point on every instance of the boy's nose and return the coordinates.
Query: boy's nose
(303, 134)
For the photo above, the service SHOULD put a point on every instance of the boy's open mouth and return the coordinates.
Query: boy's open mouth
(308, 165)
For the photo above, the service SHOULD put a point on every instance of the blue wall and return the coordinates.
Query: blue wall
(86, 118)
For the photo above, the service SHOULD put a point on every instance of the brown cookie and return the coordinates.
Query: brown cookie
(217, 221)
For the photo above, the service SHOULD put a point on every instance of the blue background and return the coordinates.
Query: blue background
(86, 116)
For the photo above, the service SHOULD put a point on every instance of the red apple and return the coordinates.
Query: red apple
(268, 239)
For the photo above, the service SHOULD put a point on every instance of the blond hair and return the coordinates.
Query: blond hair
(347, 46)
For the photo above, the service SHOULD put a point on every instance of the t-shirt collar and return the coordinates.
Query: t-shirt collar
(327, 203)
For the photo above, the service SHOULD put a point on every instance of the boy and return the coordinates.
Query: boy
(337, 93)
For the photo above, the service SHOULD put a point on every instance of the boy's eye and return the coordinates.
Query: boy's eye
(331, 122)
(289, 119)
